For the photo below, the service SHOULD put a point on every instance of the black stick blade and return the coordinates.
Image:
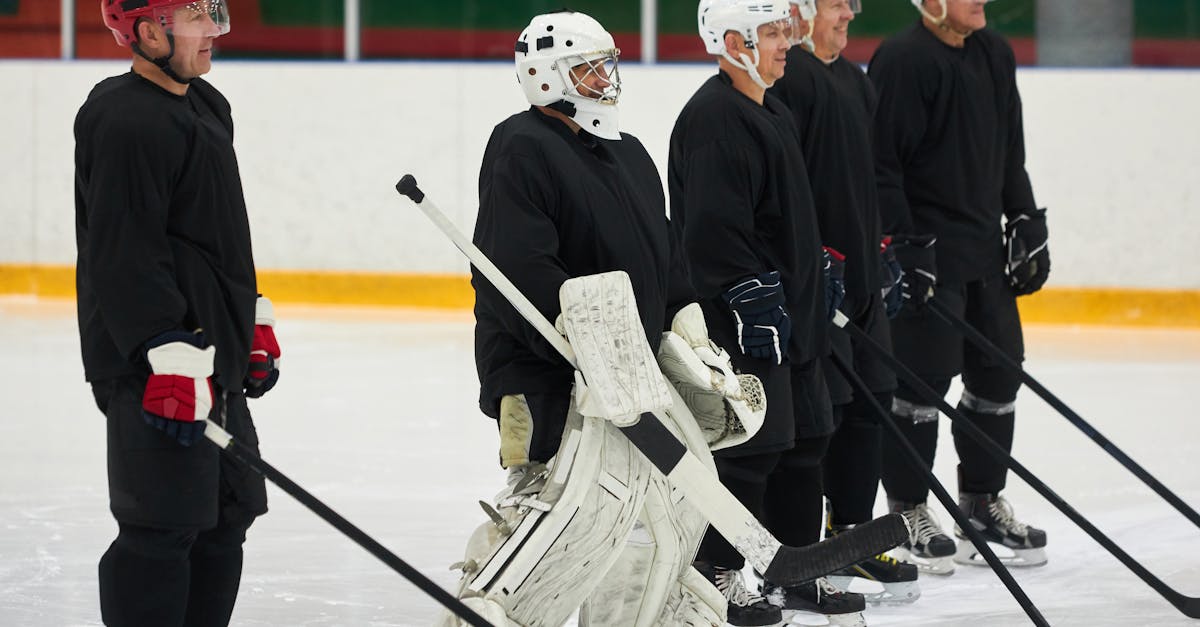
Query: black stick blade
(796, 565)
(407, 186)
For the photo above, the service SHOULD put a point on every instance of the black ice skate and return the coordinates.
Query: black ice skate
(993, 517)
(819, 597)
(899, 579)
(746, 608)
(928, 547)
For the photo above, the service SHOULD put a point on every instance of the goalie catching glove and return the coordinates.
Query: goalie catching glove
(728, 407)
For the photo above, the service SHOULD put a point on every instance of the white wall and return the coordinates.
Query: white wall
(1112, 153)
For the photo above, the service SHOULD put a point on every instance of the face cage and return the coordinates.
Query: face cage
(601, 63)
(187, 19)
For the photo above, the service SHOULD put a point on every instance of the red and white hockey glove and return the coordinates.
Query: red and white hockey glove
(179, 392)
(264, 351)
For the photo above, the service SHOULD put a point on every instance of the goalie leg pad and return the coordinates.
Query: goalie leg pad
(556, 532)
(653, 582)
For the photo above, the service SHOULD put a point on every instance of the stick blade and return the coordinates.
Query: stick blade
(795, 565)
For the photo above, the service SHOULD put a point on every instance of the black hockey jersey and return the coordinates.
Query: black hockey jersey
(555, 205)
(741, 202)
(950, 145)
(833, 106)
(161, 228)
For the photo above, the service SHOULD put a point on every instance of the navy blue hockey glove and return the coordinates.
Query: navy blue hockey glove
(915, 254)
(759, 309)
(890, 277)
(835, 280)
(1026, 241)
(179, 392)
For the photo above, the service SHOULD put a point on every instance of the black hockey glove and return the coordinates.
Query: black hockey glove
(835, 280)
(890, 277)
(1026, 241)
(915, 254)
(759, 310)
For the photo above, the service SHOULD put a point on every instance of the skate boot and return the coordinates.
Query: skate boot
(993, 517)
(818, 597)
(746, 608)
(899, 579)
(928, 546)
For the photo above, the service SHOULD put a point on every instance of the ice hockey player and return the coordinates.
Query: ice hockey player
(833, 103)
(172, 329)
(569, 206)
(741, 202)
(950, 156)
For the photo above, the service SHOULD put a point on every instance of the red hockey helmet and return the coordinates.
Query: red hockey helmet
(121, 17)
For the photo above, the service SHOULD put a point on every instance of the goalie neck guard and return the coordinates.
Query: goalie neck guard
(568, 62)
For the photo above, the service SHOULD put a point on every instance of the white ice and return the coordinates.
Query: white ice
(376, 414)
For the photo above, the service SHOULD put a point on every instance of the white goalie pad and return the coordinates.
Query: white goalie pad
(653, 582)
(554, 533)
(617, 378)
(728, 407)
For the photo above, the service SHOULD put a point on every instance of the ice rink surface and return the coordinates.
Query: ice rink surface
(375, 414)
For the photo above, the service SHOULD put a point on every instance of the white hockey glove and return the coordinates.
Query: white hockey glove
(617, 377)
(728, 407)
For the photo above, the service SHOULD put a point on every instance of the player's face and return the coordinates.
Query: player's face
(194, 31)
(966, 15)
(593, 79)
(831, 27)
(774, 39)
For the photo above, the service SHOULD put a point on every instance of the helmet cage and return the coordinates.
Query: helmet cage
(599, 63)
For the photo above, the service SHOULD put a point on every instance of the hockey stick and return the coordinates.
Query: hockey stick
(1189, 606)
(885, 417)
(988, 347)
(240, 452)
(783, 564)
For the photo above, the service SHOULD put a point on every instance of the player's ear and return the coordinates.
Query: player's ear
(734, 44)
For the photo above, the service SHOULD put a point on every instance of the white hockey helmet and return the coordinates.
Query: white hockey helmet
(548, 53)
(803, 10)
(717, 17)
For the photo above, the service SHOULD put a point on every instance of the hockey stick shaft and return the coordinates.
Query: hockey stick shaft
(1189, 606)
(885, 417)
(782, 564)
(240, 452)
(984, 344)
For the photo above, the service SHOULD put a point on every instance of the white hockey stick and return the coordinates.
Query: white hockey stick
(784, 565)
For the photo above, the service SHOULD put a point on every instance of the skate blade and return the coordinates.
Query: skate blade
(967, 555)
(894, 593)
(801, 618)
(940, 566)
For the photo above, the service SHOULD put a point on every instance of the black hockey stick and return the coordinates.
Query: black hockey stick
(782, 564)
(240, 452)
(988, 347)
(1189, 606)
(914, 457)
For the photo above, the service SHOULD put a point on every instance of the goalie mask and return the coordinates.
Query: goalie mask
(568, 62)
(199, 18)
(717, 17)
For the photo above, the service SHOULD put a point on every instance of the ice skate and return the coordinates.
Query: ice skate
(746, 608)
(898, 579)
(928, 547)
(993, 517)
(817, 598)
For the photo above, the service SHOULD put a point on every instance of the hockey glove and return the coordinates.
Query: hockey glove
(890, 277)
(179, 391)
(835, 280)
(1026, 240)
(763, 325)
(264, 351)
(915, 254)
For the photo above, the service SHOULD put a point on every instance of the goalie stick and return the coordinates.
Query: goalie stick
(988, 347)
(1189, 606)
(914, 457)
(240, 452)
(786, 565)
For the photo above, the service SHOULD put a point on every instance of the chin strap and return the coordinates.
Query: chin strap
(940, 22)
(564, 107)
(163, 63)
(751, 66)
